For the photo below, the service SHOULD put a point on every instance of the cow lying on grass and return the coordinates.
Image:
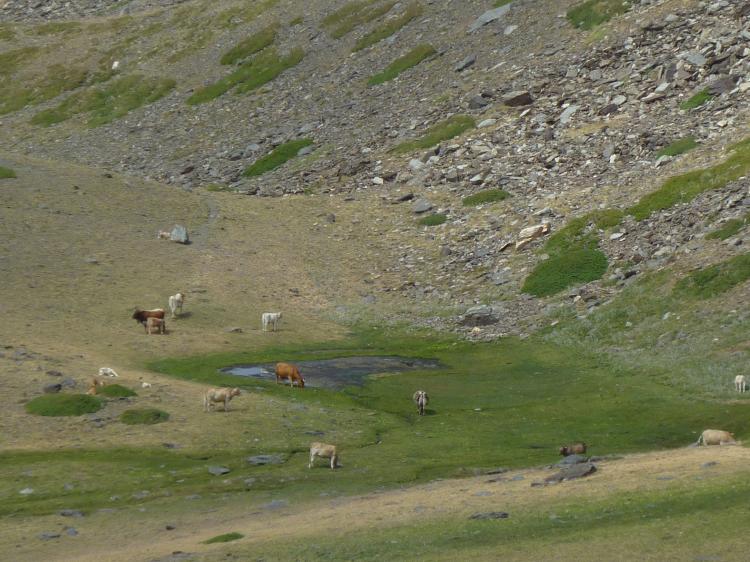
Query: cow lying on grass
(219, 395)
(288, 371)
(573, 449)
(324, 450)
(716, 437)
(107, 372)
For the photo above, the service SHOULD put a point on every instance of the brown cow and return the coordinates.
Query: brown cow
(574, 449)
(143, 315)
(291, 372)
(158, 324)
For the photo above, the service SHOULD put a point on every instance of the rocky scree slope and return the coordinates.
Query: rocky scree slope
(569, 123)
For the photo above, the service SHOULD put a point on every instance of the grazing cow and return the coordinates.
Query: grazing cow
(143, 315)
(107, 372)
(158, 324)
(574, 449)
(219, 395)
(93, 386)
(291, 372)
(421, 400)
(716, 437)
(323, 450)
(164, 235)
(270, 320)
(740, 383)
(176, 302)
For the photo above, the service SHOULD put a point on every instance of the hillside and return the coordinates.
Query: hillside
(550, 199)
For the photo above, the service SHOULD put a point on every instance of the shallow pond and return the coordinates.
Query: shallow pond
(340, 372)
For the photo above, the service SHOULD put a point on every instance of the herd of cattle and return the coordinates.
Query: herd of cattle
(154, 321)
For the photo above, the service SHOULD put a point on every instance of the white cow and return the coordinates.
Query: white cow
(176, 302)
(107, 372)
(270, 320)
(716, 437)
(219, 395)
(421, 400)
(739, 383)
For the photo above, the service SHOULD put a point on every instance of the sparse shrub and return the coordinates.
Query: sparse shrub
(250, 75)
(143, 416)
(226, 537)
(410, 59)
(486, 196)
(606, 218)
(216, 187)
(716, 279)
(296, 21)
(433, 220)
(563, 270)
(678, 147)
(591, 13)
(451, 127)
(253, 44)
(686, 187)
(729, 228)
(64, 405)
(7, 33)
(354, 14)
(276, 157)
(6, 173)
(499, 3)
(116, 391)
(109, 102)
(390, 27)
(696, 100)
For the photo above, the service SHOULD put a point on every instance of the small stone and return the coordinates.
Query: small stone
(478, 102)
(26, 491)
(52, 388)
(490, 515)
(421, 206)
(415, 165)
(517, 98)
(305, 150)
(70, 513)
(567, 115)
(48, 536)
(466, 63)
(218, 470)
(71, 532)
(486, 123)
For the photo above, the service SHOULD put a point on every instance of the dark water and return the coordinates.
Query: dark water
(336, 373)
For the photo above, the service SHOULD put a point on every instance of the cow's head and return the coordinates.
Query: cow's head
(235, 392)
(301, 382)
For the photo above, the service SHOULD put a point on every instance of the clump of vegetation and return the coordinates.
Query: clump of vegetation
(606, 218)
(11, 60)
(296, 21)
(451, 127)
(55, 27)
(696, 100)
(410, 59)
(433, 220)
(253, 44)
(499, 3)
(217, 187)
(591, 13)
(6, 173)
(116, 391)
(354, 14)
(686, 187)
(250, 75)
(716, 279)
(143, 416)
(64, 405)
(390, 27)
(109, 102)
(278, 156)
(226, 537)
(6, 32)
(486, 196)
(729, 229)
(678, 147)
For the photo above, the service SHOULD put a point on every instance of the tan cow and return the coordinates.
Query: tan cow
(716, 437)
(158, 324)
(219, 395)
(324, 450)
(93, 386)
(291, 372)
(740, 383)
(573, 449)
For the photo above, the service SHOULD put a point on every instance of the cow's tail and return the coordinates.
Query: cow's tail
(700, 441)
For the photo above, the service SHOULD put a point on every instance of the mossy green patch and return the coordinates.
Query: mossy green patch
(277, 157)
(354, 14)
(296, 21)
(390, 27)
(591, 13)
(561, 271)
(444, 130)
(686, 187)
(107, 103)
(7, 33)
(143, 416)
(409, 60)
(716, 279)
(251, 45)
(63, 405)
(729, 228)
(6, 173)
(250, 75)
(696, 100)
(226, 537)
(486, 196)
(678, 147)
(433, 220)
(116, 391)
(11, 60)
